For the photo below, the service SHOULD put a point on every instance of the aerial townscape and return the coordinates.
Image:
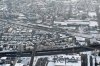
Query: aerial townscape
(49, 32)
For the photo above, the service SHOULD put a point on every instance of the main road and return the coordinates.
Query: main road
(49, 52)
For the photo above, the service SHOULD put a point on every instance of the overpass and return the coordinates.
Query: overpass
(50, 52)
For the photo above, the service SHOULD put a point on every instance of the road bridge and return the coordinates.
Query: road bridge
(50, 52)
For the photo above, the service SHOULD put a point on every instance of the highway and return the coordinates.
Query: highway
(50, 52)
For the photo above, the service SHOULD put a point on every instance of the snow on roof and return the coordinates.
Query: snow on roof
(3, 57)
(51, 64)
(82, 23)
(2, 8)
(93, 23)
(18, 64)
(21, 15)
(77, 20)
(92, 13)
(40, 3)
(30, 30)
(73, 22)
(29, 4)
(98, 59)
(80, 38)
(5, 65)
(62, 23)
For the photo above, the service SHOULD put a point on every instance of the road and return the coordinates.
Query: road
(50, 52)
